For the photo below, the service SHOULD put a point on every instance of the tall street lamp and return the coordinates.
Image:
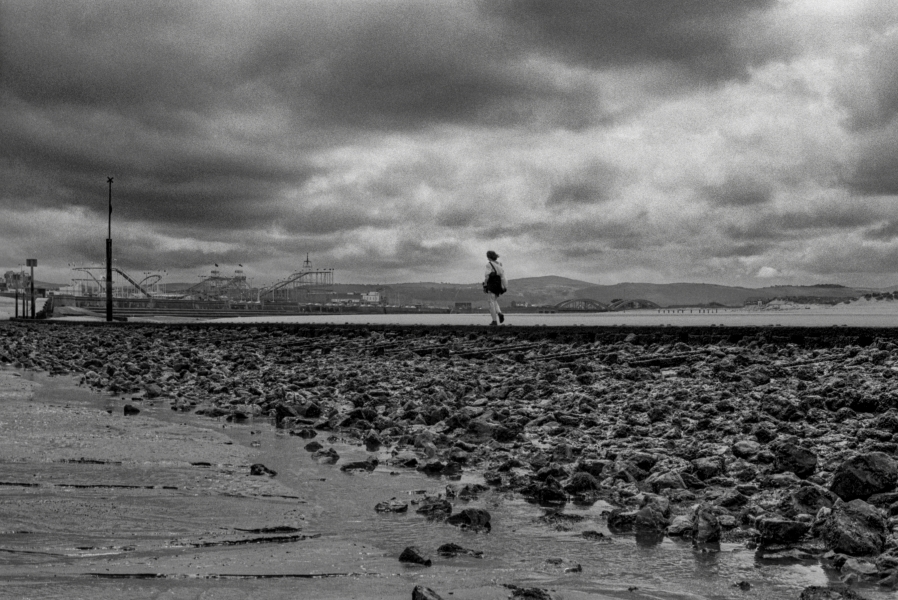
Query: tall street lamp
(109, 258)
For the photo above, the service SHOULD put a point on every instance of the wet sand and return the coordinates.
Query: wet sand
(531, 410)
(100, 505)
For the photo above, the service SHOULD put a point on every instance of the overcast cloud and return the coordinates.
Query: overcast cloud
(747, 142)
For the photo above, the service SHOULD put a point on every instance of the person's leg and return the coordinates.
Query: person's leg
(494, 307)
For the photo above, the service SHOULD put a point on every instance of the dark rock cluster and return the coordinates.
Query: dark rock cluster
(786, 440)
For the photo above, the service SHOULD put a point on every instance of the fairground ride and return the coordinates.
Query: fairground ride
(305, 285)
(92, 285)
(217, 286)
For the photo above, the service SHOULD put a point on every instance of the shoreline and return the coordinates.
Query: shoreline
(534, 414)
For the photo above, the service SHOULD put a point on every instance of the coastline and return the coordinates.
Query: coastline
(572, 408)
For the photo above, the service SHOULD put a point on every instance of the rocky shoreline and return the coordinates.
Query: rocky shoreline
(782, 439)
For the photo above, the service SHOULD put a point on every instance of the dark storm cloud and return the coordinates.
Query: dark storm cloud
(409, 64)
(592, 185)
(705, 39)
(876, 172)
(768, 227)
(739, 191)
(884, 232)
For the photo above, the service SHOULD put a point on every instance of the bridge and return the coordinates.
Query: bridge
(632, 304)
(581, 305)
(589, 305)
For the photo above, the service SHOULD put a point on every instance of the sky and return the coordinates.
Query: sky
(746, 142)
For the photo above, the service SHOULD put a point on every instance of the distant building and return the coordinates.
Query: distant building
(16, 279)
(371, 297)
(462, 306)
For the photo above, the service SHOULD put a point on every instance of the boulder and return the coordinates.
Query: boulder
(130, 410)
(808, 499)
(666, 480)
(413, 555)
(368, 464)
(435, 507)
(621, 520)
(854, 528)
(776, 530)
(475, 519)
(260, 469)
(393, 505)
(705, 526)
(707, 467)
(450, 550)
(424, 593)
(790, 457)
(581, 482)
(864, 475)
(680, 526)
(650, 519)
(746, 449)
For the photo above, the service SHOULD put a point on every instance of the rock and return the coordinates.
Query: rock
(328, 456)
(707, 467)
(475, 519)
(303, 432)
(815, 592)
(746, 449)
(864, 475)
(450, 550)
(650, 519)
(667, 480)
(793, 458)
(424, 593)
(369, 464)
(413, 555)
(581, 482)
(809, 499)
(705, 526)
(680, 526)
(621, 520)
(732, 499)
(854, 528)
(532, 593)
(130, 410)
(393, 505)
(260, 469)
(313, 446)
(435, 507)
(776, 530)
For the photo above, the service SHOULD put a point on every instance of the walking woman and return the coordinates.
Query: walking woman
(494, 284)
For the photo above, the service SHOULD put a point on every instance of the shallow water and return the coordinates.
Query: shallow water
(519, 548)
(724, 317)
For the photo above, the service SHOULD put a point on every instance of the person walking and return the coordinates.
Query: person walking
(494, 284)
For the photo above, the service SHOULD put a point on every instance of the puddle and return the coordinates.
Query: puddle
(520, 547)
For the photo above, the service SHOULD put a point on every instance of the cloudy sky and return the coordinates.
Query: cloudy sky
(740, 142)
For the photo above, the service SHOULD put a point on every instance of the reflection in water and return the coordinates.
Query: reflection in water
(523, 546)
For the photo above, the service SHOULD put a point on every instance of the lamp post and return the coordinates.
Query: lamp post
(109, 258)
(32, 262)
(24, 294)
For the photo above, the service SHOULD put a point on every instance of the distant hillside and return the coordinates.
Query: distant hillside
(685, 294)
(551, 290)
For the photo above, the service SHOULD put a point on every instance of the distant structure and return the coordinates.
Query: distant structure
(306, 285)
(16, 280)
(216, 286)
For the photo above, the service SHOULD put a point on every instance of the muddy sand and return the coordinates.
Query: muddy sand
(777, 443)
